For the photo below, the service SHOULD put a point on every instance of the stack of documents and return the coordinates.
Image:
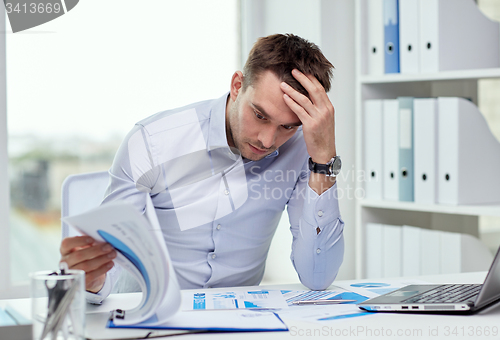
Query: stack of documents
(393, 251)
(142, 251)
(428, 36)
(430, 150)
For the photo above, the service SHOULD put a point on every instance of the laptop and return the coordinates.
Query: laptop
(441, 298)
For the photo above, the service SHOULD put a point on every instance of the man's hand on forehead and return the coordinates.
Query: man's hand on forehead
(317, 115)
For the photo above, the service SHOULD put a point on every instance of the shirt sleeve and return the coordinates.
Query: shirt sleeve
(111, 277)
(316, 256)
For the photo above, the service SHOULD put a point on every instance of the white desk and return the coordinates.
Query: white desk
(382, 326)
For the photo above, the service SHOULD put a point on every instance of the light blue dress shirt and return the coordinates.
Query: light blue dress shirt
(219, 212)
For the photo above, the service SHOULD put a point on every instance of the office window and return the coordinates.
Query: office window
(489, 104)
(78, 84)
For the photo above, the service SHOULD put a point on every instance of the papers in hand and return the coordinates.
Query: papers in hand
(141, 250)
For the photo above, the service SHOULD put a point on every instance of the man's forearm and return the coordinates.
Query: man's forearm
(320, 182)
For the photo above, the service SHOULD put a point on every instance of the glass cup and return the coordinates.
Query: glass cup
(58, 305)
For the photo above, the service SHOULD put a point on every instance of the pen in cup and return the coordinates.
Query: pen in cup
(321, 302)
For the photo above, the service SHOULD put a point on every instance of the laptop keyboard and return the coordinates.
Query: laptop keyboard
(447, 294)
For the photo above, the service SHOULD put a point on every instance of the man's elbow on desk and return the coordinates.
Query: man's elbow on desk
(324, 268)
(320, 281)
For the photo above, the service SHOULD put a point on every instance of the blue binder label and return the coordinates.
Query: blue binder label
(391, 36)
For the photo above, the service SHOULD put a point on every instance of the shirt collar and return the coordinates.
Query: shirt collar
(217, 131)
(273, 154)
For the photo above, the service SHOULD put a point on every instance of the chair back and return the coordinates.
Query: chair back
(81, 193)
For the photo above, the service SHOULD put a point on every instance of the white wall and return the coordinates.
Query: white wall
(4, 182)
(329, 24)
(337, 36)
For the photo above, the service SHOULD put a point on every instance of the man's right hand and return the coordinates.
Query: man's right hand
(94, 258)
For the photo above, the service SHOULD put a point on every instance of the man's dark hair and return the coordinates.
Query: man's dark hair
(281, 53)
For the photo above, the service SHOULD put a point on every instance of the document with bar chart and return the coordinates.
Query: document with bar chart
(235, 299)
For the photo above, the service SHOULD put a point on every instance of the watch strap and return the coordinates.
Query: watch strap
(319, 168)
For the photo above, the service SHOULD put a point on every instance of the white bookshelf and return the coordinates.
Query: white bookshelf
(431, 77)
(466, 210)
(463, 219)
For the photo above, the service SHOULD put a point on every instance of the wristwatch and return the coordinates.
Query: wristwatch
(331, 169)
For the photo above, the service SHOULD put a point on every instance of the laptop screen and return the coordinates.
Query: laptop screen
(491, 287)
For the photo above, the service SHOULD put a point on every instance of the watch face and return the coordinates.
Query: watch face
(335, 166)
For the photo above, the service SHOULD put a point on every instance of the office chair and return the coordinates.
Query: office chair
(81, 193)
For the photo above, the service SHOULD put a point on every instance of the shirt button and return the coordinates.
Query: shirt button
(320, 213)
(218, 227)
(226, 192)
(318, 251)
(214, 256)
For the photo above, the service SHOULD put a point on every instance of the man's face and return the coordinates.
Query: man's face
(259, 121)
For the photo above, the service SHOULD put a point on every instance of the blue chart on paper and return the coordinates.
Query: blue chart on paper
(344, 316)
(199, 301)
(256, 296)
(249, 304)
(370, 285)
(225, 301)
(349, 296)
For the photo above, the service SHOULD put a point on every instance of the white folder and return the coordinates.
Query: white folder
(391, 252)
(373, 149)
(408, 36)
(429, 36)
(451, 250)
(375, 37)
(391, 150)
(411, 251)
(456, 35)
(406, 168)
(425, 150)
(469, 155)
(430, 252)
(373, 246)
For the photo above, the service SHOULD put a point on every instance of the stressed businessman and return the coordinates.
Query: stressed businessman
(221, 172)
